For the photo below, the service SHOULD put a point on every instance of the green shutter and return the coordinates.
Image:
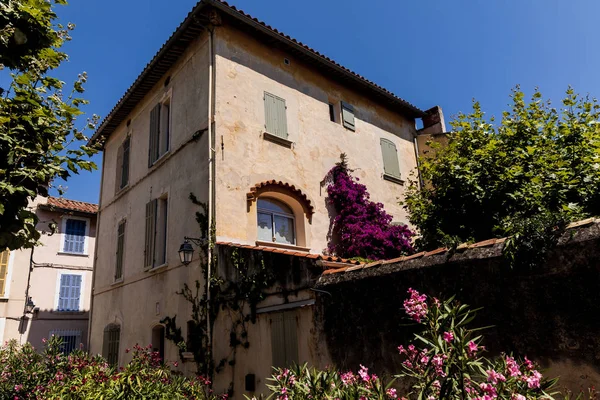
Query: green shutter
(278, 340)
(119, 180)
(125, 162)
(153, 146)
(390, 158)
(348, 116)
(120, 250)
(150, 234)
(275, 116)
(290, 327)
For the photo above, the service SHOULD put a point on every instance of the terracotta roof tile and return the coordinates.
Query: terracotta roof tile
(260, 187)
(71, 205)
(436, 251)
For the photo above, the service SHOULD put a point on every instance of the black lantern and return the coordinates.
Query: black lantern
(186, 252)
(29, 306)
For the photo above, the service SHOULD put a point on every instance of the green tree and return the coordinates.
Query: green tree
(39, 138)
(525, 177)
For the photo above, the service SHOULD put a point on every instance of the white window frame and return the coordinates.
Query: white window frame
(166, 98)
(11, 261)
(81, 290)
(63, 232)
(273, 214)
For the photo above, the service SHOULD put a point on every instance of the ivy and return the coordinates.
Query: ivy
(362, 229)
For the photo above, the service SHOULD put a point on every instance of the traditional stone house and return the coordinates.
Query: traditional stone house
(47, 291)
(250, 121)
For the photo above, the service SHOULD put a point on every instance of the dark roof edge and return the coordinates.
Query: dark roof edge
(50, 207)
(409, 109)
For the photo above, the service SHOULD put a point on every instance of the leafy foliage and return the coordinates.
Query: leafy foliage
(38, 132)
(361, 227)
(525, 177)
(27, 374)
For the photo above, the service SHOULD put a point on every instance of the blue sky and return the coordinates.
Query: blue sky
(428, 52)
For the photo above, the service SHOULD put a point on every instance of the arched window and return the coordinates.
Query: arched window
(275, 222)
(158, 341)
(110, 347)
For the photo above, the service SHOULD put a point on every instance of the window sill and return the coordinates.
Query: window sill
(122, 190)
(117, 282)
(3, 299)
(68, 312)
(277, 140)
(394, 179)
(282, 246)
(65, 253)
(158, 267)
(160, 159)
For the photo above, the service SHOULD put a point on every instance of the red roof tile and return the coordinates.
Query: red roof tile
(72, 205)
(260, 187)
(293, 253)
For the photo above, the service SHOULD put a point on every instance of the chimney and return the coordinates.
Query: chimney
(433, 122)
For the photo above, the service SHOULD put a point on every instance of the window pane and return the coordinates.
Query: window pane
(265, 227)
(273, 205)
(284, 229)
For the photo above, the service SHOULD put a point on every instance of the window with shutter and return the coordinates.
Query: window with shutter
(110, 344)
(150, 234)
(4, 257)
(74, 236)
(275, 116)
(69, 294)
(348, 116)
(153, 147)
(390, 159)
(124, 181)
(120, 250)
(284, 338)
(160, 240)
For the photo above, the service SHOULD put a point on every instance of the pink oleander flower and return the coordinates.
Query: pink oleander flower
(489, 390)
(495, 377)
(471, 348)
(512, 367)
(391, 393)
(364, 373)
(416, 306)
(533, 381)
(448, 337)
(517, 396)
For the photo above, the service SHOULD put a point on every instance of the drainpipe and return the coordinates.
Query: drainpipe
(95, 262)
(417, 159)
(211, 191)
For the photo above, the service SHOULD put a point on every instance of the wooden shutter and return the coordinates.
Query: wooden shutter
(150, 234)
(275, 116)
(119, 179)
(120, 250)
(75, 294)
(69, 293)
(278, 340)
(4, 257)
(290, 327)
(348, 116)
(124, 166)
(390, 158)
(153, 147)
(110, 344)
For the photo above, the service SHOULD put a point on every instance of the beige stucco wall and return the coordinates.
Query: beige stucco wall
(50, 263)
(245, 69)
(143, 298)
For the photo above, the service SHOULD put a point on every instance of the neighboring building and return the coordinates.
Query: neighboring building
(250, 121)
(55, 276)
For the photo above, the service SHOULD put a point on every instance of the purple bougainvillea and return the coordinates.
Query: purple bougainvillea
(361, 227)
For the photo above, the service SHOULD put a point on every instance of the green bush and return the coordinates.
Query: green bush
(26, 374)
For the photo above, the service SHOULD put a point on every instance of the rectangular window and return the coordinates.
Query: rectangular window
(4, 257)
(160, 131)
(110, 344)
(120, 250)
(275, 116)
(348, 116)
(75, 236)
(390, 159)
(284, 338)
(69, 294)
(123, 164)
(332, 112)
(71, 339)
(155, 253)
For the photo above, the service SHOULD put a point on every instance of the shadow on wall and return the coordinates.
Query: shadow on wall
(71, 326)
(548, 314)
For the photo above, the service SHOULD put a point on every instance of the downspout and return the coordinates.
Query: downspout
(24, 316)
(89, 335)
(211, 191)
(417, 160)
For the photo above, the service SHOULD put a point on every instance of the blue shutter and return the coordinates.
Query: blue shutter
(70, 292)
(75, 236)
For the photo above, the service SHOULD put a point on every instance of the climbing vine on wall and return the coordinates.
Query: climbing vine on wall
(234, 297)
(361, 227)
